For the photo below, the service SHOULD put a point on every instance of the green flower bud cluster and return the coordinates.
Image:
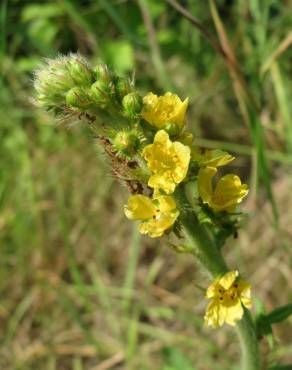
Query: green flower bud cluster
(57, 77)
(69, 84)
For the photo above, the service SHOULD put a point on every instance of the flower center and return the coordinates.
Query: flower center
(228, 295)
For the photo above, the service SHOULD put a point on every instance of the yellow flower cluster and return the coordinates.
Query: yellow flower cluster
(168, 161)
(151, 132)
(229, 294)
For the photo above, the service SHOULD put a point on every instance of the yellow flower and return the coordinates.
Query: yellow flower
(229, 294)
(168, 161)
(228, 192)
(211, 158)
(157, 215)
(162, 110)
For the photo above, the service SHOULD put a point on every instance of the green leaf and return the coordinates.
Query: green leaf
(279, 314)
(281, 367)
(264, 322)
(263, 326)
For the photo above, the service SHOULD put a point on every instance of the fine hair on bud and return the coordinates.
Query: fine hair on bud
(57, 76)
(78, 97)
(122, 87)
(132, 104)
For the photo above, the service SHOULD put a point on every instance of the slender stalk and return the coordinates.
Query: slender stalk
(213, 261)
(249, 343)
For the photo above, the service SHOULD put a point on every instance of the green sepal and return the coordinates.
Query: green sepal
(222, 233)
(172, 129)
(204, 217)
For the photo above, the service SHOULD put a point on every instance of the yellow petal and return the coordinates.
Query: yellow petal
(166, 203)
(212, 289)
(183, 153)
(205, 188)
(139, 207)
(149, 106)
(215, 314)
(156, 227)
(215, 158)
(162, 182)
(150, 228)
(178, 116)
(244, 291)
(228, 279)
(162, 138)
(228, 193)
(234, 313)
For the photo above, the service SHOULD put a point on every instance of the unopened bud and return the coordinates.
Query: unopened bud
(57, 77)
(101, 92)
(101, 71)
(132, 104)
(52, 81)
(123, 87)
(78, 98)
(80, 72)
(172, 129)
(127, 142)
(186, 138)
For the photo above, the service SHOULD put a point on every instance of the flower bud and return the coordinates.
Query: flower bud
(101, 92)
(78, 98)
(51, 88)
(127, 143)
(186, 138)
(122, 86)
(172, 129)
(80, 72)
(102, 72)
(132, 104)
(57, 77)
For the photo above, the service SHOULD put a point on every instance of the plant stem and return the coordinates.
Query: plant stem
(249, 343)
(199, 237)
(209, 255)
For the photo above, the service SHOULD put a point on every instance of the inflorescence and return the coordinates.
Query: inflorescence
(151, 152)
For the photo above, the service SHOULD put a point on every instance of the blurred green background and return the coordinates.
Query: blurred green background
(79, 288)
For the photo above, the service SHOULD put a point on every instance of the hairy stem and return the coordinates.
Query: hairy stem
(211, 258)
(199, 237)
(249, 343)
